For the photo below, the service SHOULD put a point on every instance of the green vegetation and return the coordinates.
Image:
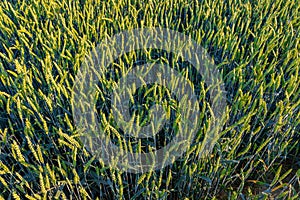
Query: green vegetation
(255, 45)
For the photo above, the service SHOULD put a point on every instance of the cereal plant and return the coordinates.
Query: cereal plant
(255, 48)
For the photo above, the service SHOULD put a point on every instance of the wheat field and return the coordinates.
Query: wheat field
(255, 47)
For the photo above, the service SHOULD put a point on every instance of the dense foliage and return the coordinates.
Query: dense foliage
(255, 45)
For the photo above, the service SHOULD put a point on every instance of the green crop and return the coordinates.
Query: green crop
(255, 45)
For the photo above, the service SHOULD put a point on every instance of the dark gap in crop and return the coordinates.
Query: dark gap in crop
(140, 58)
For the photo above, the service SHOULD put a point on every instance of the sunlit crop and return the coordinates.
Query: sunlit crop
(255, 45)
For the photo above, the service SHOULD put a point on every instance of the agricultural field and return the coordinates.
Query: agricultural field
(254, 45)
